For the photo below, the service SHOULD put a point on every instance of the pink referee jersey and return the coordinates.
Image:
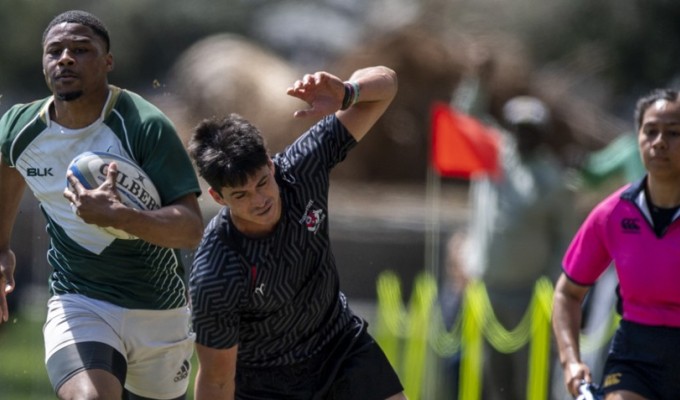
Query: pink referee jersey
(619, 230)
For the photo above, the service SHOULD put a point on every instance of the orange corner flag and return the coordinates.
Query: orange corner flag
(461, 145)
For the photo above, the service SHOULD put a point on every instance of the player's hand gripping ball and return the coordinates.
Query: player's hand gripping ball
(134, 186)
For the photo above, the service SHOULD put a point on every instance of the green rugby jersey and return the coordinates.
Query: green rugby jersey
(85, 259)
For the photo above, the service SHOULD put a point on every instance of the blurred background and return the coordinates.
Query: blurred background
(588, 61)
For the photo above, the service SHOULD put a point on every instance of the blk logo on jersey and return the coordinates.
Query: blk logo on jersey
(630, 225)
(312, 219)
(39, 172)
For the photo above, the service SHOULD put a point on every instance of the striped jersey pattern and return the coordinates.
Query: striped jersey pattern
(277, 298)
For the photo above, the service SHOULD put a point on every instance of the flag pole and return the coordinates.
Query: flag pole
(432, 263)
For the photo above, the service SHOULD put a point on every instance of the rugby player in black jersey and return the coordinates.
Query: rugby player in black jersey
(269, 316)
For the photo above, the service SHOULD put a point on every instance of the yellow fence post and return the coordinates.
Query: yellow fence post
(471, 345)
(425, 292)
(404, 335)
(539, 350)
(391, 316)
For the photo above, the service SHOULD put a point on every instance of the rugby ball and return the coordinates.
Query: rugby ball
(134, 186)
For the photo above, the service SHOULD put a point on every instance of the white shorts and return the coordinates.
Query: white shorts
(156, 344)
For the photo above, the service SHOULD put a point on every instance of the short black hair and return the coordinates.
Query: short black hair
(227, 151)
(82, 18)
(655, 95)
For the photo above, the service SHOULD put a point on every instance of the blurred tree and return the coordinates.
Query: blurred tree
(628, 45)
(147, 37)
(635, 42)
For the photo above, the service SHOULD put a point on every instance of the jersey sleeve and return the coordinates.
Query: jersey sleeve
(157, 148)
(168, 164)
(319, 149)
(217, 285)
(20, 118)
(5, 139)
(588, 254)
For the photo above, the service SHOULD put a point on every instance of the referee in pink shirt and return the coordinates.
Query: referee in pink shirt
(637, 230)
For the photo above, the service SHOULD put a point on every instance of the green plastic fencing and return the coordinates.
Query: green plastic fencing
(408, 335)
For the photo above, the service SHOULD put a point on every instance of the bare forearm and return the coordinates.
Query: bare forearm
(12, 187)
(566, 322)
(566, 325)
(205, 390)
(212, 392)
(377, 83)
(377, 88)
(179, 225)
(216, 376)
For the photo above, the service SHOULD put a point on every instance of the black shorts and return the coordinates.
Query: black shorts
(644, 360)
(77, 357)
(352, 366)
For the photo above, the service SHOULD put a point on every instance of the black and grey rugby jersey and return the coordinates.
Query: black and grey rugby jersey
(277, 298)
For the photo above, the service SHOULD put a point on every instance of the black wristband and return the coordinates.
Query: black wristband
(349, 95)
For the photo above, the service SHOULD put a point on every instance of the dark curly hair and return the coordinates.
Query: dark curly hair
(227, 151)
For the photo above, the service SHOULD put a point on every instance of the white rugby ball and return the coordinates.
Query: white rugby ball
(134, 186)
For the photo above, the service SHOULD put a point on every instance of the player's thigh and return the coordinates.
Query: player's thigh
(80, 336)
(91, 384)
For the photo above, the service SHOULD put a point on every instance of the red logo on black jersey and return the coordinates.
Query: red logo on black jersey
(312, 219)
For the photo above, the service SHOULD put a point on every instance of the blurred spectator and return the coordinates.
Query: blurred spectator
(520, 225)
(617, 163)
(451, 302)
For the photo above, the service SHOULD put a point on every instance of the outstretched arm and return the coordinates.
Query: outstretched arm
(371, 91)
(566, 326)
(12, 186)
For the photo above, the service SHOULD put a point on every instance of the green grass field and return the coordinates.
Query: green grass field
(22, 370)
